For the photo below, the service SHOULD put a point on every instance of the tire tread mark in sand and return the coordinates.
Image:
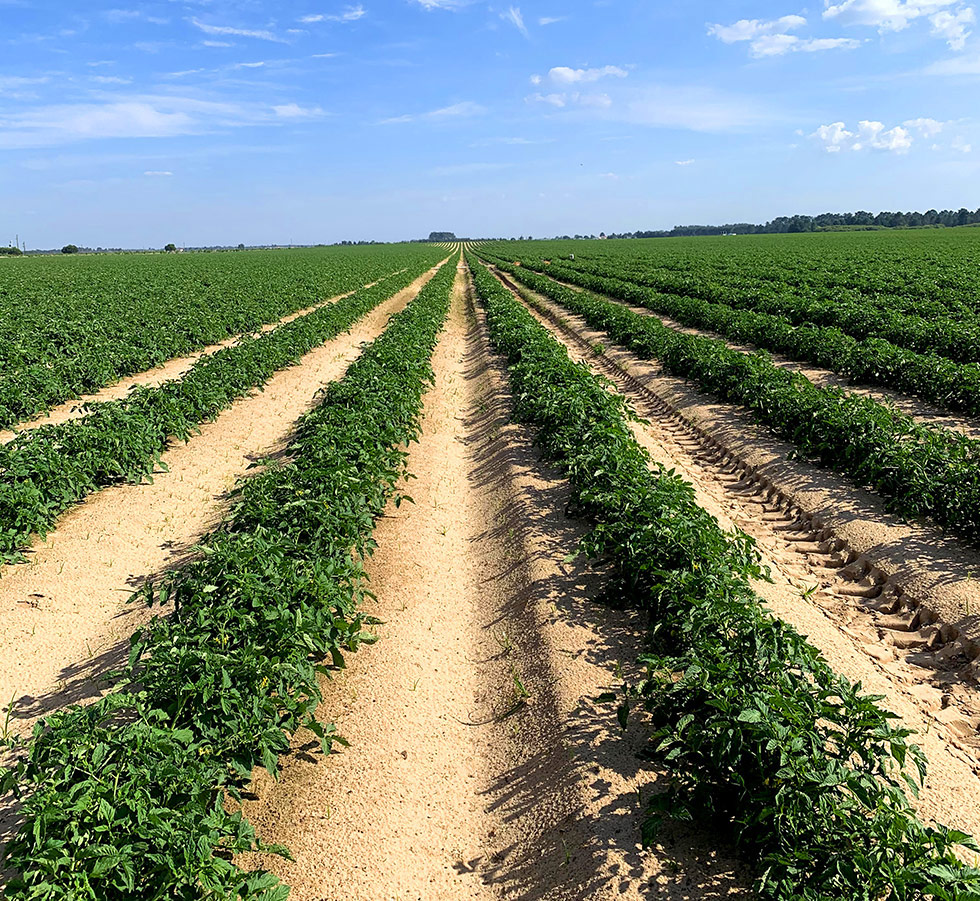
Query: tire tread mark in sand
(872, 610)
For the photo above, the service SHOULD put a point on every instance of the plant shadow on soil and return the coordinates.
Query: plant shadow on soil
(573, 776)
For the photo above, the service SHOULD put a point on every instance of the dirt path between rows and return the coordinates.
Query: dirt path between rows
(64, 620)
(480, 766)
(920, 410)
(810, 590)
(151, 378)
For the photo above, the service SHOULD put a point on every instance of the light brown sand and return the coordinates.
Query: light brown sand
(455, 785)
(63, 617)
(165, 372)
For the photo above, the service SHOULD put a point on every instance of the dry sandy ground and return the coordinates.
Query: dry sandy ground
(63, 615)
(165, 372)
(480, 764)
(879, 651)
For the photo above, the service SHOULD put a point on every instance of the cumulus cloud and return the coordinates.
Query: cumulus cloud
(869, 135)
(959, 144)
(749, 29)
(566, 75)
(684, 162)
(885, 15)
(928, 128)
(772, 37)
(953, 26)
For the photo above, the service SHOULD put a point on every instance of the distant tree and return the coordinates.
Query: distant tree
(241, 246)
(10, 251)
(441, 237)
(170, 248)
(69, 248)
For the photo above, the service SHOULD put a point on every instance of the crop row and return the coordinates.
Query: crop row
(755, 728)
(127, 798)
(45, 471)
(920, 470)
(943, 335)
(955, 386)
(69, 326)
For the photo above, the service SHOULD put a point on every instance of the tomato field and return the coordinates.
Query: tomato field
(538, 569)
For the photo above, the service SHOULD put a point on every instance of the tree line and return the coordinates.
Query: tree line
(823, 222)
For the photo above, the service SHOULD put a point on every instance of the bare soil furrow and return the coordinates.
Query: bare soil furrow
(165, 372)
(64, 620)
(863, 624)
(480, 765)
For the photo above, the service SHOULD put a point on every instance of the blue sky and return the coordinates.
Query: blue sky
(135, 124)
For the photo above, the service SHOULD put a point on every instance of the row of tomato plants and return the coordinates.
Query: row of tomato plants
(920, 470)
(954, 386)
(753, 726)
(70, 326)
(945, 336)
(45, 471)
(128, 798)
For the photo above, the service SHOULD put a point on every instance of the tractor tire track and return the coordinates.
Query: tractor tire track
(867, 627)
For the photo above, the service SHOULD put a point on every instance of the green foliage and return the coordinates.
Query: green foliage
(69, 248)
(45, 471)
(10, 252)
(920, 470)
(755, 728)
(124, 799)
(955, 386)
(70, 326)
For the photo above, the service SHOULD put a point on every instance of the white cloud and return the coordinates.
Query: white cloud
(928, 128)
(139, 116)
(259, 34)
(749, 29)
(535, 79)
(556, 100)
(443, 4)
(961, 145)
(869, 136)
(216, 44)
(110, 79)
(158, 172)
(815, 45)
(953, 26)
(684, 162)
(885, 15)
(350, 14)
(772, 38)
(295, 111)
(565, 75)
(513, 15)
(781, 44)
(458, 110)
(551, 20)
(612, 176)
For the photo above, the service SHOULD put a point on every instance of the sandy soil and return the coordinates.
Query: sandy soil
(165, 372)
(920, 410)
(65, 609)
(813, 588)
(458, 782)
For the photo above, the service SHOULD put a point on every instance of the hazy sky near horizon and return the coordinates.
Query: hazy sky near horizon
(215, 122)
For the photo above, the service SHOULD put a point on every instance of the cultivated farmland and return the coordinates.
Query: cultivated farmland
(553, 570)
